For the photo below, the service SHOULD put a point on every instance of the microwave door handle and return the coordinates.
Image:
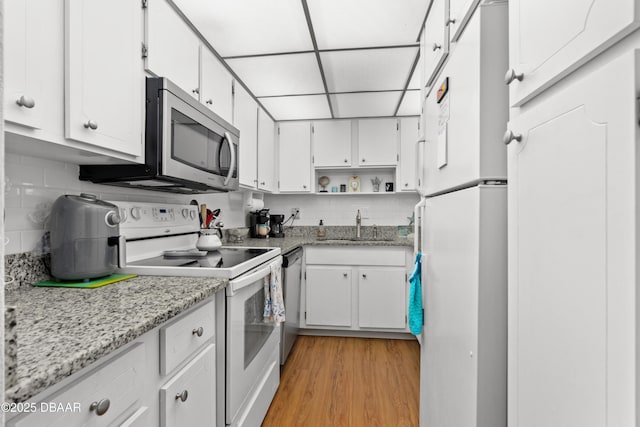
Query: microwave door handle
(232, 166)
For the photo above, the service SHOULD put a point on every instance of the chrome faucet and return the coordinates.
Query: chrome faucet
(358, 224)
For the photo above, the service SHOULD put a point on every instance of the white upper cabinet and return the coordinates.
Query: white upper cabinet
(172, 47)
(460, 11)
(266, 152)
(550, 39)
(409, 135)
(378, 142)
(216, 85)
(246, 120)
(295, 156)
(27, 28)
(331, 143)
(573, 233)
(103, 83)
(435, 44)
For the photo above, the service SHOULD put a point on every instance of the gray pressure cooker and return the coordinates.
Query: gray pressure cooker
(84, 237)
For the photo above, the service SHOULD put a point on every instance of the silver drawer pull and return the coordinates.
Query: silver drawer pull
(91, 125)
(511, 75)
(364, 276)
(436, 46)
(451, 21)
(182, 396)
(26, 102)
(510, 136)
(344, 274)
(100, 407)
(196, 91)
(209, 101)
(199, 331)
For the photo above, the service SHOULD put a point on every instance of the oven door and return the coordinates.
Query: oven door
(196, 146)
(251, 342)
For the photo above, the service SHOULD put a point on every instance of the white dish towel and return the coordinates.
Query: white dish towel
(273, 300)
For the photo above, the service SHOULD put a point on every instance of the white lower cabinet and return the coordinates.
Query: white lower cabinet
(356, 288)
(129, 389)
(188, 399)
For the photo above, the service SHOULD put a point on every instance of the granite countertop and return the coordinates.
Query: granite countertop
(62, 330)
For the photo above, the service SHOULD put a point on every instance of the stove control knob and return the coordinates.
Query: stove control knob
(136, 213)
(124, 214)
(192, 214)
(112, 218)
(185, 213)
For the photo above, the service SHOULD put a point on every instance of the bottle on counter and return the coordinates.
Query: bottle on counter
(321, 231)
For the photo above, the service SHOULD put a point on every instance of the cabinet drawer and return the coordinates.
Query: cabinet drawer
(183, 336)
(188, 399)
(356, 255)
(120, 381)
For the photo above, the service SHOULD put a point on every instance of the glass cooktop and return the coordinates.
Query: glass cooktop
(221, 258)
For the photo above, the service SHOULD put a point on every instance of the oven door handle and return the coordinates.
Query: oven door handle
(243, 281)
(232, 165)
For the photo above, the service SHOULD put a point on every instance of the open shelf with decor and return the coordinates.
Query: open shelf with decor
(355, 181)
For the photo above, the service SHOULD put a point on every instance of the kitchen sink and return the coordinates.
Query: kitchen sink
(354, 239)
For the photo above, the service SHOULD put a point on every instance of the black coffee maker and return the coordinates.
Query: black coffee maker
(277, 228)
(259, 224)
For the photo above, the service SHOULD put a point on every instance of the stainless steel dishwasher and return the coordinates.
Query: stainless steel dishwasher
(292, 275)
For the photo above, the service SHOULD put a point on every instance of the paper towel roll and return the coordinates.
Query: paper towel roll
(256, 204)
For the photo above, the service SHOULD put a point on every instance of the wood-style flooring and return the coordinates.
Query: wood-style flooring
(335, 381)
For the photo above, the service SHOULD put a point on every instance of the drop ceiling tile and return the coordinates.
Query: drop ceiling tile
(366, 70)
(369, 104)
(279, 74)
(366, 23)
(297, 107)
(410, 105)
(250, 27)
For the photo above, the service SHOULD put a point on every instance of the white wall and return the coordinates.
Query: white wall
(382, 209)
(32, 185)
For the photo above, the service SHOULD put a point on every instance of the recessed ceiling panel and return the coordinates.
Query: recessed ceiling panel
(279, 74)
(370, 104)
(365, 70)
(297, 107)
(250, 27)
(410, 105)
(366, 23)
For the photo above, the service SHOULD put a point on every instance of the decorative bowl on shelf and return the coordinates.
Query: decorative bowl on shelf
(323, 181)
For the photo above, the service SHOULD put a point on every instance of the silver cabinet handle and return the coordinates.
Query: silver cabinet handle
(364, 160)
(196, 91)
(262, 183)
(26, 102)
(510, 136)
(209, 101)
(198, 331)
(406, 184)
(304, 186)
(436, 46)
(511, 75)
(451, 21)
(346, 161)
(101, 407)
(364, 276)
(91, 125)
(182, 396)
(344, 274)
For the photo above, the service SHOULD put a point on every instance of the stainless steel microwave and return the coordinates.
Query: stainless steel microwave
(188, 148)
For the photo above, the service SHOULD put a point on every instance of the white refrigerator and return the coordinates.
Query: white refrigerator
(462, 232)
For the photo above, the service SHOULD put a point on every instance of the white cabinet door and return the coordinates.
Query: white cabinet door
(435, 46)
(573, 280)
(548, 40)
(266, 152)
(409, 135)
(216, 85)
(103, 80)
(246, 120)
(295, 156)
(328, 296)
(173, 49)
(378, 142)
(464, 129)
(460, 11)
(331, 143)
(382, 300)
(27, 29)
(189, 398)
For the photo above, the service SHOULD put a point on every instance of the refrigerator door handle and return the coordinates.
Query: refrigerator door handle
(417, 224)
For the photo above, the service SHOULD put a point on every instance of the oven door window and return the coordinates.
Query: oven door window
(256, 330)
(197, 146)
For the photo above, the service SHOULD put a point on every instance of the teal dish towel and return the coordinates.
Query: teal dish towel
(415, 298)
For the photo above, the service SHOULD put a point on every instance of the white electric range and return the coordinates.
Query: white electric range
(154, 234)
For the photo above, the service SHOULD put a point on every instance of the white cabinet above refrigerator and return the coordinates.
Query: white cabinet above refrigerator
(466, 112)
